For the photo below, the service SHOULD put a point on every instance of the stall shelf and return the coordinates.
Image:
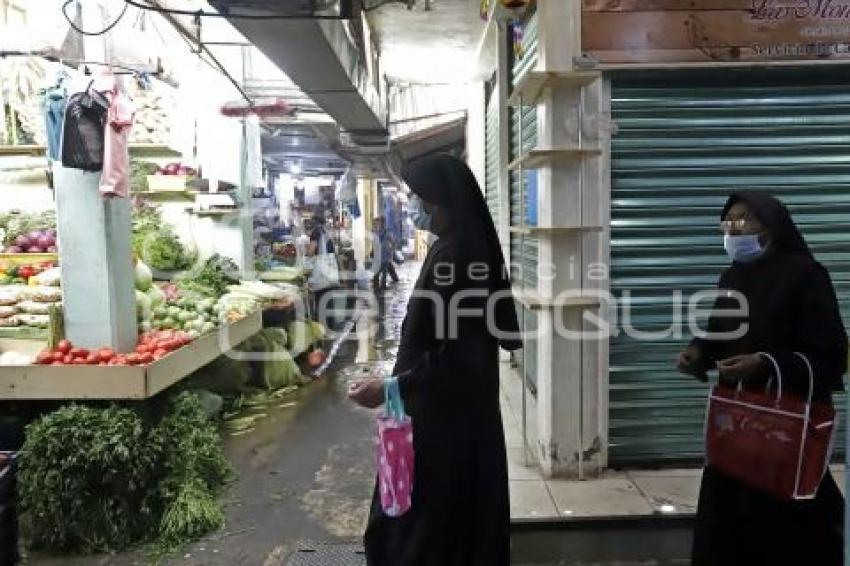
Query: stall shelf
(39, 382)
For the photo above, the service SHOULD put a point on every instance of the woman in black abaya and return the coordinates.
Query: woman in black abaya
(449, 380)
(792, 308)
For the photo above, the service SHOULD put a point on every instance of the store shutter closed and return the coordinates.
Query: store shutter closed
(683, 143)
(524, 249)
(491, 164)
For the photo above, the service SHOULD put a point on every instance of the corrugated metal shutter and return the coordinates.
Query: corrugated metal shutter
(524, 249)
(491, 157)
(678, 153)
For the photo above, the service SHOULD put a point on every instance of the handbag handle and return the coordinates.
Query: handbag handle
(779, 375)
(811, 375)
(393, 405)
(778, 371)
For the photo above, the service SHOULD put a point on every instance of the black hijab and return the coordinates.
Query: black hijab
(447, 182)
(776, 217)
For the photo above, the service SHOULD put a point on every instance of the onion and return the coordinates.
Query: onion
(51, 249)
(33, 236)
(35, 250)
(44, 241)
(13, 250)
(51, 232)
(22, 241)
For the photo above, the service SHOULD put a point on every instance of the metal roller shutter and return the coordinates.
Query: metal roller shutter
(685, 141)
(491, 157)
(524, 249)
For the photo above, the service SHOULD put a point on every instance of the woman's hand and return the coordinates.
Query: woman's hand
(690, 362)
(367, 392)
(742, 367)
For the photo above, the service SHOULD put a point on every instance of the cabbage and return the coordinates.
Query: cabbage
(143, 306)
(299, 336)
(156, 296)
(144, 276)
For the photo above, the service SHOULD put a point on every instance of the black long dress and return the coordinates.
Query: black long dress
(460, 512)
(449, 380)
(792, 308)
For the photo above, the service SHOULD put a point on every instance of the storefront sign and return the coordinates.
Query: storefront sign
(680, 31)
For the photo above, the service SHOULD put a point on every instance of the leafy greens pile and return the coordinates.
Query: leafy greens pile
(213, 277)
(102, 479)
(155, 242)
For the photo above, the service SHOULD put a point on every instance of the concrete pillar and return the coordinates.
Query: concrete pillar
(97, 271)
(94, 237)
(572, 366)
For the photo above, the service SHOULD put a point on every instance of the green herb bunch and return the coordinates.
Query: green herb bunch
(100, 479)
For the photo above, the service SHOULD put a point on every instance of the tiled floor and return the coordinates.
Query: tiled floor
(622, 494)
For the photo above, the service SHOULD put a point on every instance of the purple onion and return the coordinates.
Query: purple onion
(51, 249)
(35, 250)
(44, 241)
(22, 241)
(14, 250)
(51, 232)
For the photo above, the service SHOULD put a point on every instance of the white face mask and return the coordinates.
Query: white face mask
(744, 248)
(420, 217)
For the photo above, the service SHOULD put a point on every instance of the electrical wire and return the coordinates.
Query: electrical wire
(204, 14)
(189, 39)
(81, 31)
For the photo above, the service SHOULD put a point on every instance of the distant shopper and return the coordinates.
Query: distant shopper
(792, 308)
(383, 260)
(449, 382)
(318, 234)
(324, 279)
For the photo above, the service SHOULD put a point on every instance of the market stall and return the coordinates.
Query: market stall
(127, 275)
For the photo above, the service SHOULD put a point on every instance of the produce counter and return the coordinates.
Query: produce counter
(45, 382)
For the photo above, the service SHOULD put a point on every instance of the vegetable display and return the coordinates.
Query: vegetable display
(195, 316)
(11, 274)
(28, 233)
(152, 347)
(177, 169)
(155, 242)
(102, 479)
(27, 306)
(212, 278)
(139, 171)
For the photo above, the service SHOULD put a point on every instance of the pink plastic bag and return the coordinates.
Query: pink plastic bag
(395, 454)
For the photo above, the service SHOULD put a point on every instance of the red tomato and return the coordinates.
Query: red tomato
(79, 352)
(105, 354)
(58, 356)
(79, 362)
(44, 357)
(144, 348)
(64, 346)
(145, 358)
(159, 354)
(57, 364)
(133, 359)
(92, 359)
(102, 364)
(26, 272)
(68, 359)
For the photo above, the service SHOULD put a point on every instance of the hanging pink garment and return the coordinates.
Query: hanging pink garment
(115, 179)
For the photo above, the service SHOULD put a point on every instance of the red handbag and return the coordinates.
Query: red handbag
(777, 443)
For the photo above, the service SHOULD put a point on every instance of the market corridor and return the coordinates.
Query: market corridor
(305, 472)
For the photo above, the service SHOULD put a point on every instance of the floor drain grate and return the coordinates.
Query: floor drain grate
(311, 553)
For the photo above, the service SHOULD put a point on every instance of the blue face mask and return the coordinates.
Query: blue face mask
(744, 248)
(421, 218)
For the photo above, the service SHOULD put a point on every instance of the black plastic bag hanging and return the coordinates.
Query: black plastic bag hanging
(84, 130)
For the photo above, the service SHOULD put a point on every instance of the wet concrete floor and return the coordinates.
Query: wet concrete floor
(306, 471)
